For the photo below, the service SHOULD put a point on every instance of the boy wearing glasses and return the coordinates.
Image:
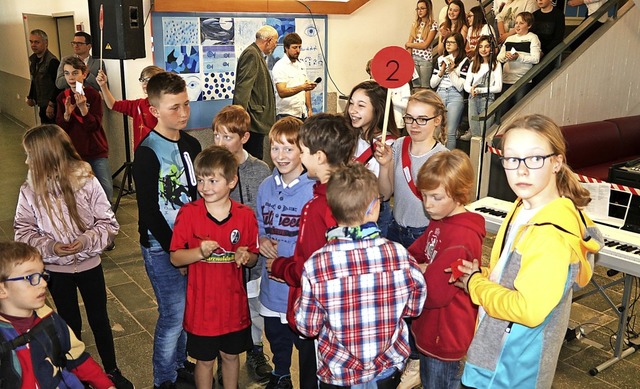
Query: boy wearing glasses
(357, 289)
(53, 355)
(81, 44)
(216, 237)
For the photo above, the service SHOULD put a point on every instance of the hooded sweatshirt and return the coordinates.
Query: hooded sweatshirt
(445, 328)
(518, 340)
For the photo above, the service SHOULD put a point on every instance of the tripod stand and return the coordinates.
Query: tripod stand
(126, 184)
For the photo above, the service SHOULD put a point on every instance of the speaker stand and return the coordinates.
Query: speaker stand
(126, 184)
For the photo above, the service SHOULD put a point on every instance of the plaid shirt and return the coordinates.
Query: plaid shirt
(355, 294)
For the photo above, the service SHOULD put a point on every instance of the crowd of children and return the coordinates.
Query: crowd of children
(311, 254)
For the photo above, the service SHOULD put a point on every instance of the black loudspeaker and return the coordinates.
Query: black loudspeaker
(123, 29)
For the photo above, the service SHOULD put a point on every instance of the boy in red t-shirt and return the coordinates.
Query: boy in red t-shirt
(326, 143)
(216, 237)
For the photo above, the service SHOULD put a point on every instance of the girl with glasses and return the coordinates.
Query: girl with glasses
(542, 252)
(138, 109)
(448, 80)
(423, 32)
(64, 212)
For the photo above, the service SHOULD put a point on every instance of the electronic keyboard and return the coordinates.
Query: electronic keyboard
(621, 251)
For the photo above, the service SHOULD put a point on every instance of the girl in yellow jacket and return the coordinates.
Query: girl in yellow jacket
(542, 252)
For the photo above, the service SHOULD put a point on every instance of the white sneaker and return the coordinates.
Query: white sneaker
(466, 136)
(411, 376)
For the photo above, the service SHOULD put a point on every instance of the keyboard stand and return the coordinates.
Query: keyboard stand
(618, 352)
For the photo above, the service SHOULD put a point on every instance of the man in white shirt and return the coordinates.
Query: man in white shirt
(289, 75)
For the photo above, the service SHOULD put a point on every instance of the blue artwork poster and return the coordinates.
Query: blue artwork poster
(203, 49)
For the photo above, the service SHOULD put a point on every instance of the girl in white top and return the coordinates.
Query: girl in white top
(423, 32)
(365, 112)
(477, 27)
(448, 81)
(482, 73)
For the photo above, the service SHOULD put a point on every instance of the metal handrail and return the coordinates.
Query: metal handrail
(549, 58)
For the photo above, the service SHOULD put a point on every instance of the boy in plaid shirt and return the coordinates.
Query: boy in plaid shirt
(357, 289)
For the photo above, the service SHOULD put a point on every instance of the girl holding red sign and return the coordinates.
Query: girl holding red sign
(365, 113)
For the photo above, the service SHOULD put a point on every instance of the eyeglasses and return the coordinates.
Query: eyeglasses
(450, 42)
(34, 279)
(144, 79)
(78, 43)
(421, 121)
(378, 199)
(533, 162)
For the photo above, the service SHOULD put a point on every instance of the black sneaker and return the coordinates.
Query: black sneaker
(118, 380)
(258, 366)
(186, 373)
(279, 382)
(111, 246)
(166, 385)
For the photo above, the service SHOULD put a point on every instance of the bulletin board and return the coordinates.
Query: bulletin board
(203, 49)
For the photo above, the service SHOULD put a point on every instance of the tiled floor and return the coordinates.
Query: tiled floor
(132, 305)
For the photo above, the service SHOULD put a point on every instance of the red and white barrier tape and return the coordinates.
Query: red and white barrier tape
(582, 178)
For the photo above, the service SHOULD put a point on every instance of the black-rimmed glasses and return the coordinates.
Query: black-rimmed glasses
(532, 162)
(144, 79)
(34, 279)
(421, 121)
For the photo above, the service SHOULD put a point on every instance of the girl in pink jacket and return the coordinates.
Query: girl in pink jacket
(64, 213)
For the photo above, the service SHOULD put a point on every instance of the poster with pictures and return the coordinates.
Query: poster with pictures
(203, 49)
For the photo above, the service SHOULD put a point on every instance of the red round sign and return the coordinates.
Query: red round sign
(392, 67)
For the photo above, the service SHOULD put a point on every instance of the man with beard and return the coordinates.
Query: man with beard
(292, 85)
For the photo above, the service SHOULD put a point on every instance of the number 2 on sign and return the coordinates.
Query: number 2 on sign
(391, 63)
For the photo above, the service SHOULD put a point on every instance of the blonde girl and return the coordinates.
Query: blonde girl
(64, 212)
(543, 250)
(423, 31)
(425, 121)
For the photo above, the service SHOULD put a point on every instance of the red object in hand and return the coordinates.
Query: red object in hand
(455, 272)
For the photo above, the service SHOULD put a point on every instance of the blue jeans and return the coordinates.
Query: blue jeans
(476, 107)
(437, 374)
(385, 217)
(404, 235)
(424, 69)
(170, 288)
(454, 103)
(100, 167)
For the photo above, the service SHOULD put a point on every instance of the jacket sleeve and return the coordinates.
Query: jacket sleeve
(146, 173)
(61, 82)
(105, 227)
(93, 119)
(459, 75)
(418, 291)
(51, 73)
(246, 76)
(309, 314)
(533, 56)
(311, 237)
(467, 81)
(440, 292)
(26, 228)
(545, 261)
